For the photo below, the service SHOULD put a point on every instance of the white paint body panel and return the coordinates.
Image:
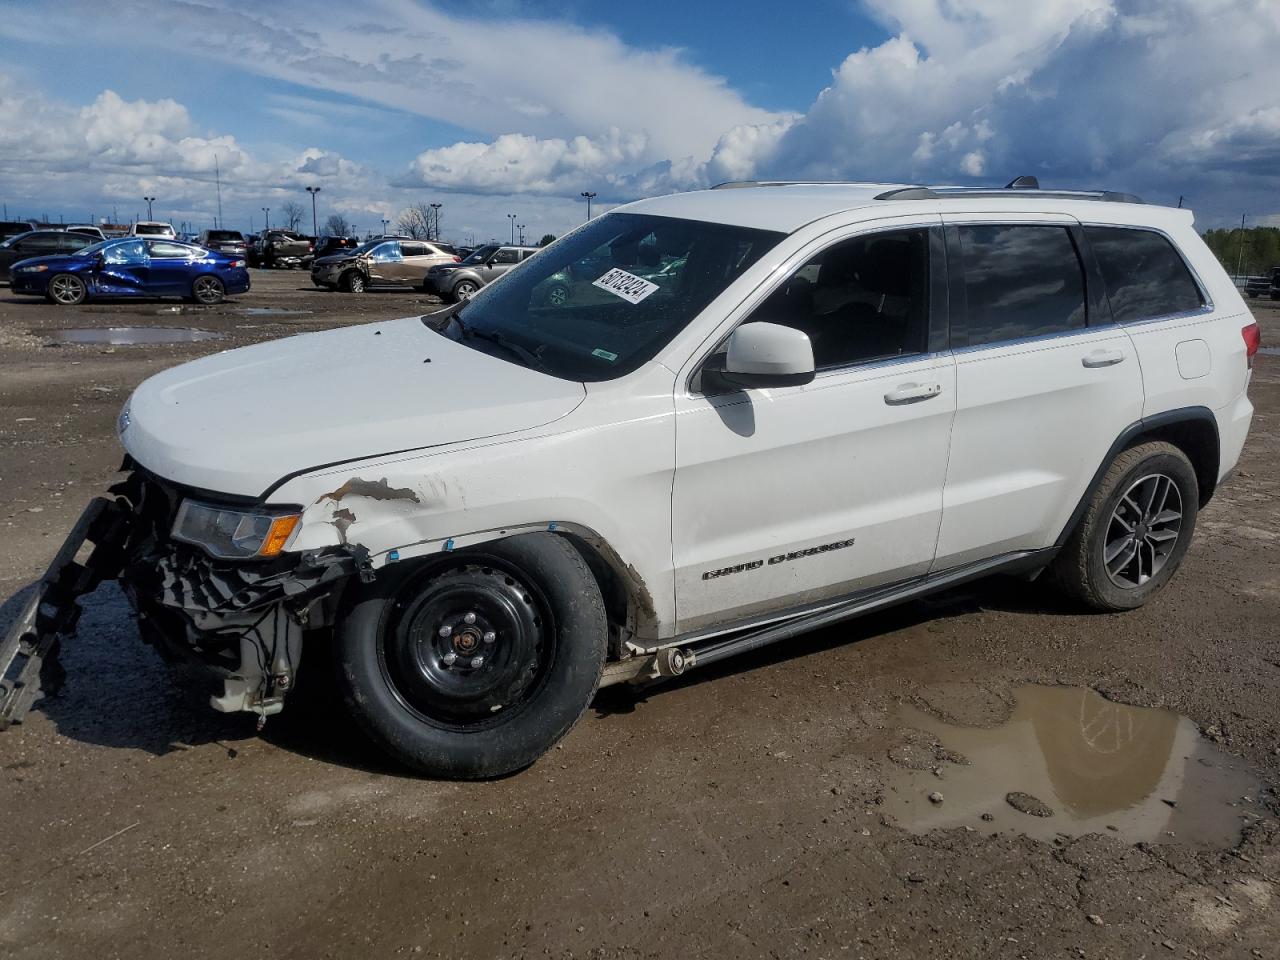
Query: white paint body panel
(673, 483)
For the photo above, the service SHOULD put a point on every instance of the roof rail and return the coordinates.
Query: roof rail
(740, 184)
(1019, 185)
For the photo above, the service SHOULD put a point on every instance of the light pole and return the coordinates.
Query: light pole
(313, 191)
(385, 222)
(512, 218)
(520, 227)
(589, 195)
(150, 201)
(1240, 256)
(266, 219)
(435, 208)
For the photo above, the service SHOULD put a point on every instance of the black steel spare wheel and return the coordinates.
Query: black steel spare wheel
(474, 664)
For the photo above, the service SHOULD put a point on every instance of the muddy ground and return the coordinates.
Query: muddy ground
(755, 809)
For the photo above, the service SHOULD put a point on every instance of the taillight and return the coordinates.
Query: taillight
(235, 263)
(1252, 341)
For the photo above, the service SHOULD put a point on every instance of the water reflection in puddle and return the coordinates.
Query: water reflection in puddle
(1068, 761)
(273, 312)
(128, 336)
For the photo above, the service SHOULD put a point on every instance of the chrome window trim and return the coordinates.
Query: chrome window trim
(1099, 330)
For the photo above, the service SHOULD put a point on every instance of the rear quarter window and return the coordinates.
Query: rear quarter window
(1145, 276)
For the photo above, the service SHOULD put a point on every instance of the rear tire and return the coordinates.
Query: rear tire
(207, 290)
(481, 697)
(1135, 531)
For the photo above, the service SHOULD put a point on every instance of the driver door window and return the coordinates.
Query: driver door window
(860, 300)
(134, 252)
(386, 253)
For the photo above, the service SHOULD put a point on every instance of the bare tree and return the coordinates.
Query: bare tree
(337, 226)
(415, 221)
(293, 212)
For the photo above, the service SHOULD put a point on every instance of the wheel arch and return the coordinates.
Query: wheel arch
(1193, 430)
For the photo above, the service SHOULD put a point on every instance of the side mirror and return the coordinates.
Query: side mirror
(768, 355)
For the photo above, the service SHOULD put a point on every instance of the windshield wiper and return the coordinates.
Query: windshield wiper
(525, 355)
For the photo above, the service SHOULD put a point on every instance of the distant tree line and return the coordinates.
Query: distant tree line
(1253, 251)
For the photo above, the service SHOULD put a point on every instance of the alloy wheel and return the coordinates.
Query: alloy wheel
(66, 289)
(207, 290)
(1143, 531)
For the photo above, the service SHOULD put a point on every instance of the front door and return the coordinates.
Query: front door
(789, 496)
(385, 263)
(1046, 383)
(125, 270)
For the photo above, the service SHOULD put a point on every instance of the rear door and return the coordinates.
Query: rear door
(171, 270)
(1045, 382)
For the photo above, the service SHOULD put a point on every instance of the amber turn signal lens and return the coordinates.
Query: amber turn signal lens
(281, 527)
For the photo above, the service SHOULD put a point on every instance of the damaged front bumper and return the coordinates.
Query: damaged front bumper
(244, 621)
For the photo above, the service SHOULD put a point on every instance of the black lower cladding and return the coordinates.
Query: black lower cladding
(191, 605)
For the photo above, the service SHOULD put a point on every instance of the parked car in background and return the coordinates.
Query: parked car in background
(327, 246)
(284, 248)
(153, 228)
(457, 281)
(1267, 285)
(131, 267)
(89, 231)
(11, 228)
(379, 263)
(230, 242)
(38, 243)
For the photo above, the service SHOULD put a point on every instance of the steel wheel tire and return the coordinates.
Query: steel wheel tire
(1135, 531)
(207, 290)
(66, 289)
(474, 663)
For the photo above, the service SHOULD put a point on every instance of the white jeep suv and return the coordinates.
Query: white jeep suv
(761, 410)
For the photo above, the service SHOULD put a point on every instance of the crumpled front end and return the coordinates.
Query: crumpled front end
(243, 620)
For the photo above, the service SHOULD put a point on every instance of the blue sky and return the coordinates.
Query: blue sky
(506, 105)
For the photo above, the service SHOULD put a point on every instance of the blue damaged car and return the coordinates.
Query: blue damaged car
(132, 267)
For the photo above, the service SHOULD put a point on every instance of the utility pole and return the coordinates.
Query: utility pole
(435, 210)
(266, 219)
(512, 218)
(150, 200)
(1240, 258)
(313, 191)
(589, 195)
(217, 178)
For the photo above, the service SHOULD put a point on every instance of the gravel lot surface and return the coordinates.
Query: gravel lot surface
(782, 804)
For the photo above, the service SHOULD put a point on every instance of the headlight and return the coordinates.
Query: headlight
(38, 268)
(235, 534)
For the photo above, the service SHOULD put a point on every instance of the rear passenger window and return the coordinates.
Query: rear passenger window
(1144, 274)
(1020, 281)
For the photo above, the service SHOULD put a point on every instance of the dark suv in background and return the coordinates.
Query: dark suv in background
(457, 281)
(284, 248)
(39, 243)
(231, 242)
(1266, 285)
(11, 228)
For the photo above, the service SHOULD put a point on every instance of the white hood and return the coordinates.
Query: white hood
(236, 422)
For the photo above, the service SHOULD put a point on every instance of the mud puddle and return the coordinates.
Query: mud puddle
(1068, 761)
(129, 336)
(273, 312)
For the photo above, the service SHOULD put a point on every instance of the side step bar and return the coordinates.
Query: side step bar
(686, 653)
(29, 667)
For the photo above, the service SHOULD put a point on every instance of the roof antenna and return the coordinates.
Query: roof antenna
(1023, 183)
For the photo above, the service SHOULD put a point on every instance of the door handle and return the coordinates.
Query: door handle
(1103, 358)
(912, 393)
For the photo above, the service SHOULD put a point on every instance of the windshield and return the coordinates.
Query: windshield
(480, 255)
(605, 299)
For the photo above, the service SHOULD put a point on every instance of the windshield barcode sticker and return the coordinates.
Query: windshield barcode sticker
(628, 286)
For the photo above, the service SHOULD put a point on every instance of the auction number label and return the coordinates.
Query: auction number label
(628, 286)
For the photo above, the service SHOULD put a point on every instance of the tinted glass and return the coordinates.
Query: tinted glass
(223, 235)
(480, 255)
(37, 244)
(607, 297)
(170, 251)
(149, 230)
(506, 255)
(1145, 277)
(410, 249)
(862, 299)
(1021, 281)
(75, 241)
